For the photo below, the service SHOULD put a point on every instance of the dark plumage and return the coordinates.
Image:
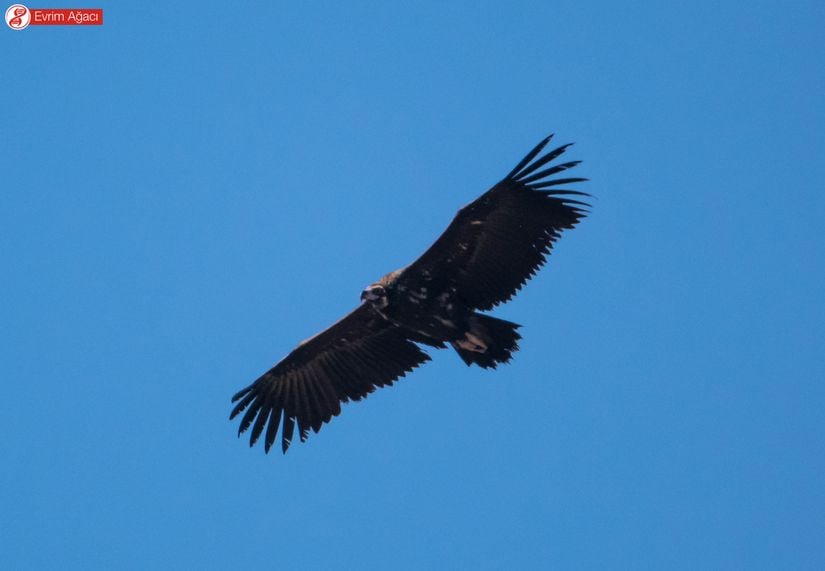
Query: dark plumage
(488, 252)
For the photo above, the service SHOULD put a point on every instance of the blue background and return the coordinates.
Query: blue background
(188, 191)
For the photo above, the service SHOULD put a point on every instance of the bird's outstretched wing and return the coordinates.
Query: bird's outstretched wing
(498, 242)
(347, 361)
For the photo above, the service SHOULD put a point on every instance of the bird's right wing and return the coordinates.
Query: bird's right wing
(347, 361)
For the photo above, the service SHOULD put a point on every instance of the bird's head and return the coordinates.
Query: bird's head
(376, 295)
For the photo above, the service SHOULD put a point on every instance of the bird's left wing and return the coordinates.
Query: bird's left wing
(347, 361)
(498, 241)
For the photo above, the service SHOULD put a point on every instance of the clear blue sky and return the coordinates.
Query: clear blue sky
(188, 191)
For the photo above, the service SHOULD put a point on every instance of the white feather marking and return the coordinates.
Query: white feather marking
(446, 322)
(473, 339)
(422, 295)
(472, 343)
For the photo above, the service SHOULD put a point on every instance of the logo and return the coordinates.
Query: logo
(18, 17)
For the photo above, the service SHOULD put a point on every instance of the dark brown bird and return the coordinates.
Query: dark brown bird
(488, 252)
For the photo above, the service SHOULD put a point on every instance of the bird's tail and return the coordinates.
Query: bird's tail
(488, 341)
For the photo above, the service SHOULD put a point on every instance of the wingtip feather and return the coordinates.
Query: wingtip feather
(530, 156)
(523, 177)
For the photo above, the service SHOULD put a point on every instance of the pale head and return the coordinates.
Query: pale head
(376, 295)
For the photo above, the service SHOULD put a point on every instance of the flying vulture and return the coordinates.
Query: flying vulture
(488, 252)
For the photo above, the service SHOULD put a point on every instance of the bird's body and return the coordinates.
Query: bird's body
(430, 311)
(492, 247)
(424, 308)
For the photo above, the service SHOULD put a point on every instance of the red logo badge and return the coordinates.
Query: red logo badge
(19, 17)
